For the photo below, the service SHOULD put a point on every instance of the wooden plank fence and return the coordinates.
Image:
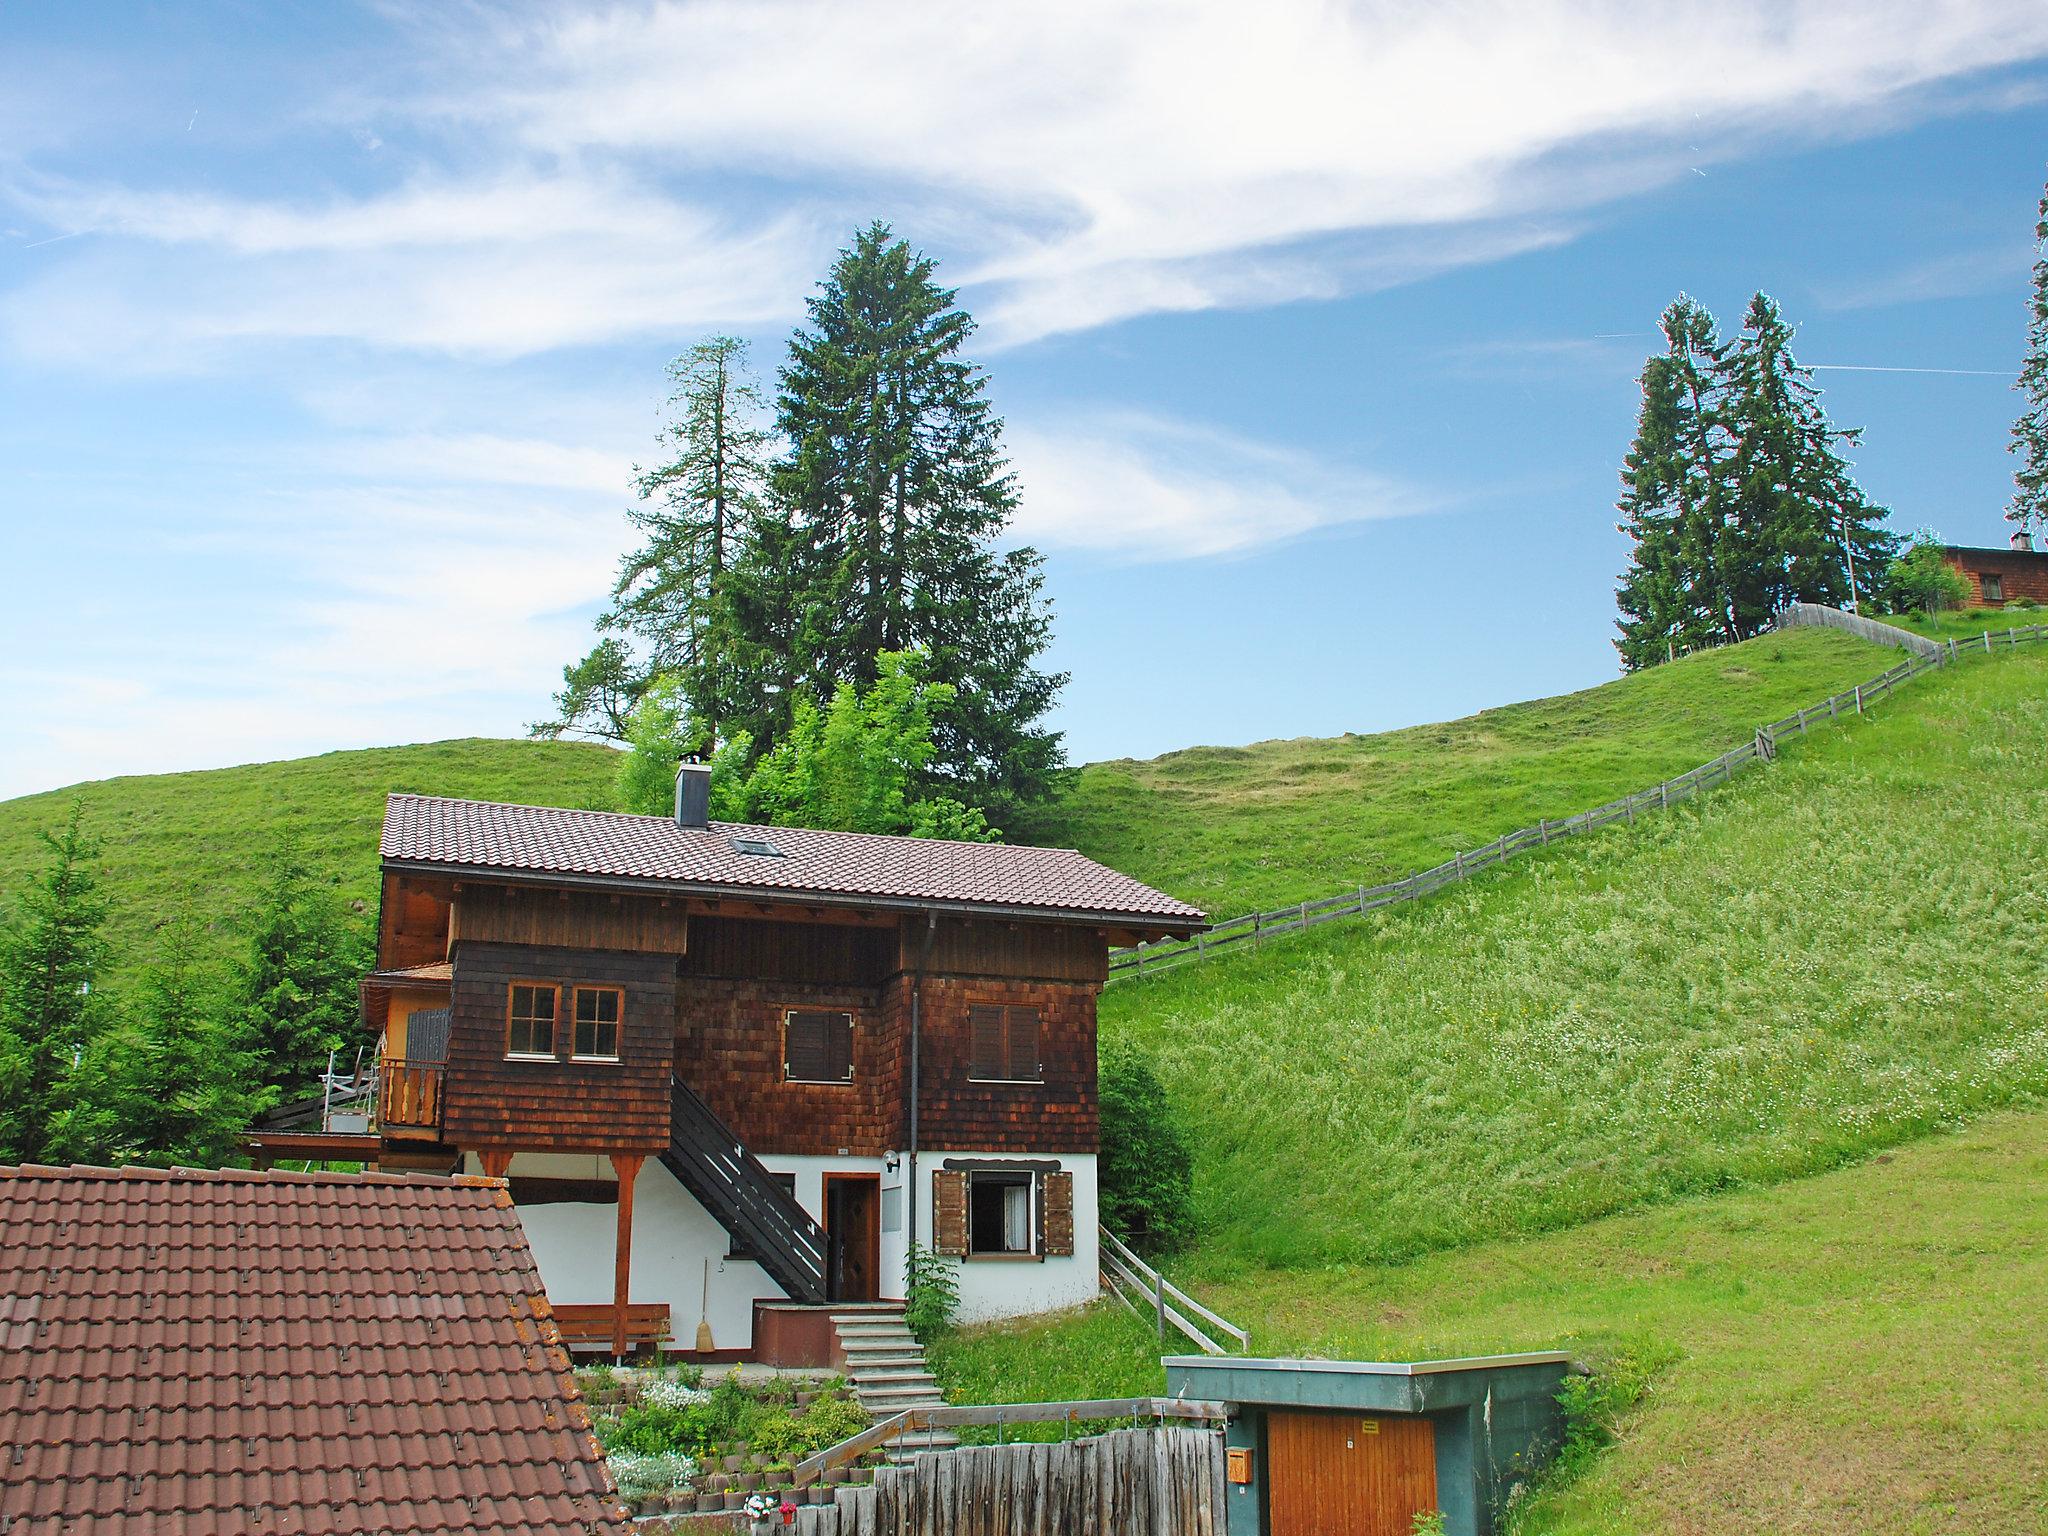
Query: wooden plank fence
(1255, 928)
(1165, 1481)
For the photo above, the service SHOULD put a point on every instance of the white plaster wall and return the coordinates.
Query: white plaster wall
(998, 1288)
(673, 1237)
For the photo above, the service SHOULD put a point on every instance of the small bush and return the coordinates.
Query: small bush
(1146, 1169)
(1921, 577)
(932, 1295)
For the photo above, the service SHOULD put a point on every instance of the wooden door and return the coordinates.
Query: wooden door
(1342, 1474)
(853, 1236)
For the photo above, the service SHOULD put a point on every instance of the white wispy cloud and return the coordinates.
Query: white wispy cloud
(1142, 487)
(1078, 161)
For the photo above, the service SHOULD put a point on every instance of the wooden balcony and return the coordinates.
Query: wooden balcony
(409, 1100)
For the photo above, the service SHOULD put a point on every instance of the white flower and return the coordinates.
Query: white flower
(664, 1393)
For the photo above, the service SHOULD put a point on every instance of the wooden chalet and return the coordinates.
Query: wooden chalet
(2001, 576)
(728, 1068)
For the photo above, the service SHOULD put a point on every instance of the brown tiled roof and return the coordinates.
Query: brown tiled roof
(603, 845)
(211, 1354)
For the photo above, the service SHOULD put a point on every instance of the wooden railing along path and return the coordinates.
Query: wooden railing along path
(1143, 1290)
(1255, 928)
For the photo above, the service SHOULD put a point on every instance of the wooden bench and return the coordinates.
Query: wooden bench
(590, 1327)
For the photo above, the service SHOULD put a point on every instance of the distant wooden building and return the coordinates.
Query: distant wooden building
(1999, 576)
(728, 1067)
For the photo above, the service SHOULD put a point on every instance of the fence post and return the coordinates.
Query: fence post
(1543, 830)
(1159, 1299)
(1987, 642)
(1664, 794)
(1138, 949)
(1802, 722)
(1859, 698)
(1302, 922)
(1458, 863)
(1257, 924)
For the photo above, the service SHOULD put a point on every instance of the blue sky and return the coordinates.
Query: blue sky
(328, 334)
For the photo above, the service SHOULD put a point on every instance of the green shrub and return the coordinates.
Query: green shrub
(1145, 1167)
(1921, 577)
(932, 1295)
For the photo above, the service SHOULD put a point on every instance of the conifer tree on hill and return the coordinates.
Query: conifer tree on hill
(668, 616)
(1736, 496)
(895, 490)
(55, 1100)
(2029, 507)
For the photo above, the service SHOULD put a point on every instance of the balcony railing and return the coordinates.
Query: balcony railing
(409, 1098)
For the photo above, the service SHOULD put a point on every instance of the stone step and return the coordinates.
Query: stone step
(905, 1370)
(881, 1360)
(867, 1328)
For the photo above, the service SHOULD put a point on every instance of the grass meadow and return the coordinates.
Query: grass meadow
(1859, 1351)
(1237, 828)
(174, 842)
(1830, 956)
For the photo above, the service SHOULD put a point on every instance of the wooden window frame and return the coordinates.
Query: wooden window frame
(1034, 1217)
(852, 1018)
(1037, 1079)
(537, 984)
(1991, 585)
(575, 990)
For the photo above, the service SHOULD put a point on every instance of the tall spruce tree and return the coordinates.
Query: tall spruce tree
(895, 491)
(1674, 483)
(55, 1098)
(667, 614)
(1807, 532)
(1736, 496)
(2029, 506)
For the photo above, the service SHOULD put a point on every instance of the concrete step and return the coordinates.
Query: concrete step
(882, 1375)
(871, 1328)
(882, 1360)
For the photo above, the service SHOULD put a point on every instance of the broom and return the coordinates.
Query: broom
(704, 1344)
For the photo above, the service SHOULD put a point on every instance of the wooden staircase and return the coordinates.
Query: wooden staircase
(744, 1197)
(887, 1367)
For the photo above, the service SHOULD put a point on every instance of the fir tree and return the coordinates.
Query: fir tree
(896, 490)
(55, 1099)
(2029, 507)
(1805, 530)
(298, 985)
(191, 1082)
(1674, 480)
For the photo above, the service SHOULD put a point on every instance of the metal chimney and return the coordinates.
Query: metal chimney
(693, 794)
(2023, 541)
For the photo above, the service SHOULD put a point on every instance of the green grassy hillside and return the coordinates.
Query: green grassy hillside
(1228, 827)
(1234, 828)
(1839, 953)
(1858, 1351)
(199, 840)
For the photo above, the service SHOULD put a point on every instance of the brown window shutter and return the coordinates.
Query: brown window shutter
(839, 1046)
(804, 1048)
(985, 1050)
(949, 1213)
(1059, 1215)
(1021, 1045)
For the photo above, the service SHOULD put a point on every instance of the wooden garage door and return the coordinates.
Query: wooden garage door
(1339, 1474)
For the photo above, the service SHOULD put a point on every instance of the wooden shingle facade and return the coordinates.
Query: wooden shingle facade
(804, 1043)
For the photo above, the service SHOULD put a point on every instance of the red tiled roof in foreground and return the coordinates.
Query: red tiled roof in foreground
(226, 1354)
(423, 831)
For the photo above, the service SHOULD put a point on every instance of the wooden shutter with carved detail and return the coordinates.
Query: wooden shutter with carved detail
(949, 1213)
(1059, 1215)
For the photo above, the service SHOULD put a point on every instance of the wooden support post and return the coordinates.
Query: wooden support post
(496, 1161)
(627, 1167)
(1859, 698)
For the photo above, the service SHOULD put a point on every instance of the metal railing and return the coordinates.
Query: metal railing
(1255, 928)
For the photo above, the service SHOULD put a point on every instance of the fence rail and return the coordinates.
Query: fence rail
(954, 1415)
(1142, 1289)
(1255, 928)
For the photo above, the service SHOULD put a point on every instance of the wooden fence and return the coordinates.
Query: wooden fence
(1144, 1291)
(1254, 928)
(1164, 1481)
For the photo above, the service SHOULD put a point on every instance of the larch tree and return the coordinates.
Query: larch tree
(667, 615)
(2029, 508)
(896, 493)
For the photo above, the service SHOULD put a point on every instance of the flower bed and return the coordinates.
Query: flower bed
(674, 1444)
